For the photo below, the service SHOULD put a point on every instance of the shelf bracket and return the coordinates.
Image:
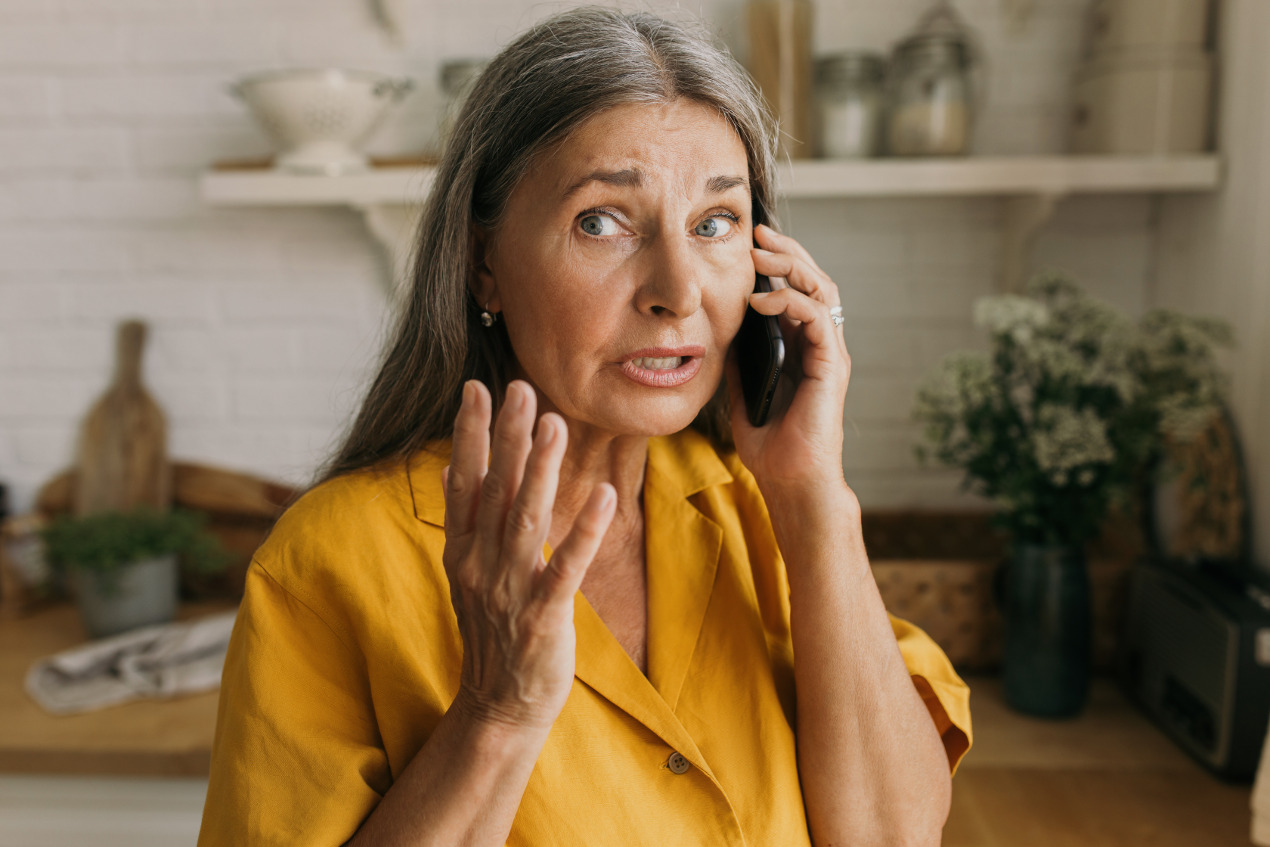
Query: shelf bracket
(394, 226)
(1025, 215)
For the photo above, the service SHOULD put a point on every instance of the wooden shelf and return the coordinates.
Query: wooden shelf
(266, 187)
(1022, 175)
(390, 198)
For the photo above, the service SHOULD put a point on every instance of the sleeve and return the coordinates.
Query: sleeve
(297, 757)
(946, 696)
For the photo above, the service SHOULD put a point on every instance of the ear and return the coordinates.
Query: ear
(482, 279)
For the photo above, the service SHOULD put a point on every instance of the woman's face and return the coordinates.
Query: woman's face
(622, 266)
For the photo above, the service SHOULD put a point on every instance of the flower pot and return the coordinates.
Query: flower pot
(139, 594)
(1045, 609)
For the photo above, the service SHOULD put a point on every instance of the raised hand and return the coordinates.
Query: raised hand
(802, 441)
(515, 610)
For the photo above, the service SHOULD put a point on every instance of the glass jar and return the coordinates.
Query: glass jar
(849, 99)
(457, 77)
(930, 102)
(931, 97)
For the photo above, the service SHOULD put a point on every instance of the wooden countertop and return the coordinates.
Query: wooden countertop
(142, 738)
(1107, 778)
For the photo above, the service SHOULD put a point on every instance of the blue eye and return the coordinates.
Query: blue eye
(598, 225)
(715, 227)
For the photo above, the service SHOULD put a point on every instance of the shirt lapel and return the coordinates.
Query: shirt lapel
(682, 554)
(605, 667)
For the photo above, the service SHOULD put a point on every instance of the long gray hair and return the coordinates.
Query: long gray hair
(530, 97)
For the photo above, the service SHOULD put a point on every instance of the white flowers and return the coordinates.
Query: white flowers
(1017, 317)
(1069, 407)
(1067, 439)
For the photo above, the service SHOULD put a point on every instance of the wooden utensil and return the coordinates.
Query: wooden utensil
(122, 461)
(223, 492)
(201, 488)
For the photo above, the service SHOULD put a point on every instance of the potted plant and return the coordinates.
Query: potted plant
(1062, 419)
(123, 566)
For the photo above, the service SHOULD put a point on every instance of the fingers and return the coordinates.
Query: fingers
(814, 315)
(529, 519)
(510, 449)
(800, 273)
(469, 456)
(775, 242)
(563, 575)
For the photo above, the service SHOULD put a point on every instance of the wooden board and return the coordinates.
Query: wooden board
(122, 460)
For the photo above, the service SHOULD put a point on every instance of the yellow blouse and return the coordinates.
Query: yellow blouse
(346, 654)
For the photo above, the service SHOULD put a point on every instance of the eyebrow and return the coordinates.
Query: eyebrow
(633, 177)
(720, 184)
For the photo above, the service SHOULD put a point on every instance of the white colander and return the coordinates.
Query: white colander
(319, 119)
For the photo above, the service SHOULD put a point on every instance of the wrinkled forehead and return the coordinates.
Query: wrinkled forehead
(639, 145)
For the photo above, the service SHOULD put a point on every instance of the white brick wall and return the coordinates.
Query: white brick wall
(265, 322)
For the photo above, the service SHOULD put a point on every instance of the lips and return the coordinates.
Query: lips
(663, 367)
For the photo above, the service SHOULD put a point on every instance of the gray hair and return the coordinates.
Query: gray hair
(537, 91)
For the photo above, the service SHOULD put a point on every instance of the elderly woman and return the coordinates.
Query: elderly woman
(549, 592)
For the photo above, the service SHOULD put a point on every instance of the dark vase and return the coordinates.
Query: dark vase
(1045, 607)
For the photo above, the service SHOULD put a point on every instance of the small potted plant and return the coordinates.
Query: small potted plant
(1065, 417)
(123, 567)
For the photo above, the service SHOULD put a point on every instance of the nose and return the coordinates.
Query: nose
(673, 280)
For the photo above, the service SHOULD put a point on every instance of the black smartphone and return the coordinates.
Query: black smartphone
(760, 350)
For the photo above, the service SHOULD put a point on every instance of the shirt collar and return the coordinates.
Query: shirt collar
(686, 464)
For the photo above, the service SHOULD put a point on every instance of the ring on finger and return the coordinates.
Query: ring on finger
(835, 315)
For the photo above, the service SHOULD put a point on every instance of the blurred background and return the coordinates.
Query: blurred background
(162, 162)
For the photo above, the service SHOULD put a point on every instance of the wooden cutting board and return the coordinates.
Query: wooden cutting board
(122, 461)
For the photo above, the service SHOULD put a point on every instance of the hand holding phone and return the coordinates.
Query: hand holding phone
(760, 349)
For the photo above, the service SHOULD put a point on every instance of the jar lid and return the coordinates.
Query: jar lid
(931, 46)
(941, 29)
(850, 66)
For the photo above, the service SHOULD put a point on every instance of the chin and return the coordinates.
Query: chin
(660, 416)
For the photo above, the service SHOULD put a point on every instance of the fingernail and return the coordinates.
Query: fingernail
(546, 431)
(762, 252)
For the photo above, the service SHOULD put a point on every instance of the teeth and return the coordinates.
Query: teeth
(666, 364)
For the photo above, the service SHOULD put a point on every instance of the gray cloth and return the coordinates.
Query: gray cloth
(151, 662)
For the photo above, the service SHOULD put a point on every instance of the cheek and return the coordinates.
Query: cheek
(736, 282)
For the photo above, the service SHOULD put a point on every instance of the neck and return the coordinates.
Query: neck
(592, 458)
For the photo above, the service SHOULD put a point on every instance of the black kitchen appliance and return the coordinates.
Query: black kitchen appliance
(1196, 656)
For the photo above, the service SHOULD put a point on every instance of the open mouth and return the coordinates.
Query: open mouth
(667, 363)
(663, 371)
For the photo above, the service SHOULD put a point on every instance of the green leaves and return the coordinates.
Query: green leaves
(1069, 408)
(105, 542)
